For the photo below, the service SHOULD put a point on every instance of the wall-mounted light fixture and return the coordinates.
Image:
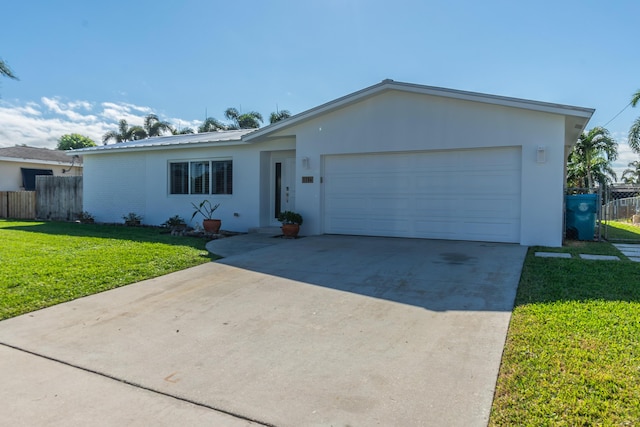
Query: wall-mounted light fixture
(541, 154)
(305, 162)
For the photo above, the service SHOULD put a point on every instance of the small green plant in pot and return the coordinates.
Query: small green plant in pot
(291, 222)
(132, 219)
(206, 209)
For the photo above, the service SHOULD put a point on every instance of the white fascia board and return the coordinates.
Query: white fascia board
(36, 161)
(527, 104)
(113, 148)
(385, 85)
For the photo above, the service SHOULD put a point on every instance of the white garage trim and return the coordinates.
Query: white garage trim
(450, 194)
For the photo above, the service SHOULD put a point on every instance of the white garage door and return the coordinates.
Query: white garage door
(456, 194)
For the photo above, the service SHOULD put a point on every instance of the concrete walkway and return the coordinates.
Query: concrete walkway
(630, 250)
(325, 330)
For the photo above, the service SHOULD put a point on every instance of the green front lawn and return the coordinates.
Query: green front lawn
(621, 231)
(572, 355)
(46, 263)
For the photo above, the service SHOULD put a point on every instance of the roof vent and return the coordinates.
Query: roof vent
(387, 81)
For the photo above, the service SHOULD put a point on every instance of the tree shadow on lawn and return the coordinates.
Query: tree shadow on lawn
(107, 231)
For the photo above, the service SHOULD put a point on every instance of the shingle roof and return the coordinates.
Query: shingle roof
(34, 153)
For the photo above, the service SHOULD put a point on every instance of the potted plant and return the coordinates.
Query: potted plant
(206, 209)
(132, 219)
(291, 222)
(175, 223)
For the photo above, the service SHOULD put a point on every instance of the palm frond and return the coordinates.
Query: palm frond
(634, 136)
(6, 71)
(635, 98)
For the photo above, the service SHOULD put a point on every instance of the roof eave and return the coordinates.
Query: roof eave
(37, 161)
(385, 85)
(114, 148)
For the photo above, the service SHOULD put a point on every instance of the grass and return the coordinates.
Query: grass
(46, 263)
(621, 231)
(572, 356)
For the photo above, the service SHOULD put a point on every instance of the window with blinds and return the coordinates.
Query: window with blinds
(201, 177)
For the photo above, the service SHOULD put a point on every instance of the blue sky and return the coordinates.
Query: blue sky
(83, 64)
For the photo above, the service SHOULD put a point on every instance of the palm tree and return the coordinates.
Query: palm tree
(125, 133)
(634, 132)
(632, 175)
(592, 156)
(279, 115)
(211, 125)
(250, 120)
(5, 71)
(183, 131)
(600, 168)
(154, 127)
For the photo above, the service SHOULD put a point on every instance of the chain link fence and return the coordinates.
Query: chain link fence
(620, 213)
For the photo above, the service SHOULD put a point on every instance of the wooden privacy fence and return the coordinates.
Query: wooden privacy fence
(18, 204)
(58, 198)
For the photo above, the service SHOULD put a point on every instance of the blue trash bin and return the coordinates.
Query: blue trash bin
(580, 219)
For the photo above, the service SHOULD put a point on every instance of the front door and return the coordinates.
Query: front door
(284, 194)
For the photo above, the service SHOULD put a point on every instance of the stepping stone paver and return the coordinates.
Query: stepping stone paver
(600, 257)
(553, 255)
(631, 251)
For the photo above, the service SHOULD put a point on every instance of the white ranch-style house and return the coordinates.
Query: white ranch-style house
(394, 159)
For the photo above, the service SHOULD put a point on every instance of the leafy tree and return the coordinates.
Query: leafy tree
(634, 132)
(5, 71)
(591, 157)
(154, 127)
(74, 141)
(211, 125)
(632, 175)
(279, 115)
(250, 120)
(124, 133)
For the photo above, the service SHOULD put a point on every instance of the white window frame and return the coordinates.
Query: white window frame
(189, 162)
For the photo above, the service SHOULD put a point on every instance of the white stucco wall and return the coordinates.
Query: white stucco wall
(11, 176)
(398, 121)
(137, 181)
(116, 183)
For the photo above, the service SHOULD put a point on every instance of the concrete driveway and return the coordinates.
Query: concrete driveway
(319, 331)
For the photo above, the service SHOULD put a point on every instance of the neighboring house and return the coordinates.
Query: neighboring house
(20, 165)
(394, 159)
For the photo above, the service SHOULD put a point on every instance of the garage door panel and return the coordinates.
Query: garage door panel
(493, 183)
(342, 205)
(360, 183)
(465, 194)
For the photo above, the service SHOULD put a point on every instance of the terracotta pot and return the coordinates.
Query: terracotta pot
(211, 225)
(290, 230)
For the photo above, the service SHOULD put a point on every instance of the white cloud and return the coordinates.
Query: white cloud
(41, 124)
(133, 114)
(625, 155)
(67, 109)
